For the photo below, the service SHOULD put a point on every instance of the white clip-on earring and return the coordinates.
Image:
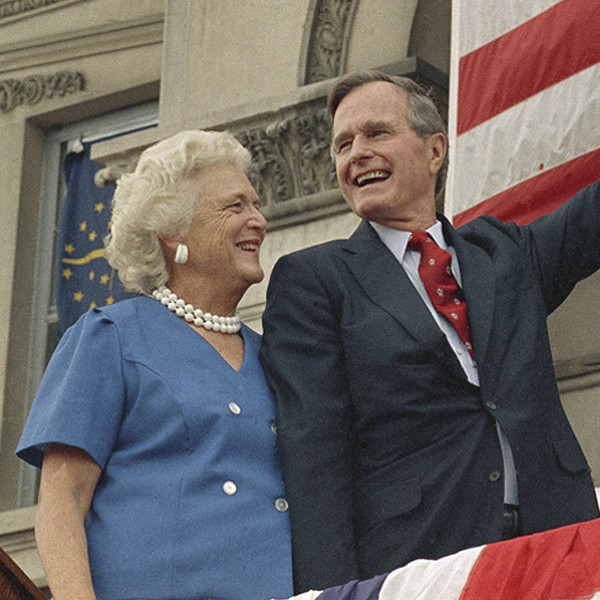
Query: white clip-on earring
(181, 254)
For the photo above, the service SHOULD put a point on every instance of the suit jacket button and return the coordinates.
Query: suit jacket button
(494, 475)
(491, 405)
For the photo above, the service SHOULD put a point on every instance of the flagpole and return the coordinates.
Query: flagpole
(452, 105)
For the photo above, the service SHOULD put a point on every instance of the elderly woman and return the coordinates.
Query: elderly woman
(153, 423)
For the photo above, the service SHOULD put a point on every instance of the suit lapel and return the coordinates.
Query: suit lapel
(479, 287)
(387, 285)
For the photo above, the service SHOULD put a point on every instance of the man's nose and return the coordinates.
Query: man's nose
(361, 148)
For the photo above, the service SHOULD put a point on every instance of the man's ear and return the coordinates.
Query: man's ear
(438, 145)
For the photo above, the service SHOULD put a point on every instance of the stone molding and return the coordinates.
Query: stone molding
(35, 88)
(581, 372)
(291, 167)
(327, 39)
(12, 8)
(86, 41)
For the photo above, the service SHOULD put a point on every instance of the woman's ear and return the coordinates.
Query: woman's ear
(169, 242)
(175, 249)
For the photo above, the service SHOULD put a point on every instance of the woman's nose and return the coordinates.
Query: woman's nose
(257, 219)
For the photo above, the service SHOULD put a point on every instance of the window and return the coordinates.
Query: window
(45, 315)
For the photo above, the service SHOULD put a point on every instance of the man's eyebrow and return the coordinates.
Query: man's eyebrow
(340, 137)
(370, 125)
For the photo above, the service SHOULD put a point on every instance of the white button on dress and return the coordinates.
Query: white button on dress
(229, 488)
(281, 504)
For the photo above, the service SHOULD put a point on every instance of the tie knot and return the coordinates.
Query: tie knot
(418, 238)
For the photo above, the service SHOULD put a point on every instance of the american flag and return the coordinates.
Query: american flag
(560, 564)
(524, 116)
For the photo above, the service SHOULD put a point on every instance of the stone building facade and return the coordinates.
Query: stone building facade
(89, 69)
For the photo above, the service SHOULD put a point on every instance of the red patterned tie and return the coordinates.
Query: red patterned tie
(440, 284)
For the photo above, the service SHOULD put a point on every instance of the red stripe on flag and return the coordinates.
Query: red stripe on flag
(539, 195)
(549, 48)
(560, 564)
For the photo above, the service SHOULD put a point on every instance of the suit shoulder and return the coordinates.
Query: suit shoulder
(313, 254)
(488, 231)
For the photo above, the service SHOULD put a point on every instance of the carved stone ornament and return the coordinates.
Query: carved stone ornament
(331, 22)
(290, 157)
(9, 8)
(35, 88)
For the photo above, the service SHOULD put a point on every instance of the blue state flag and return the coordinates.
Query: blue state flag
(85, 279)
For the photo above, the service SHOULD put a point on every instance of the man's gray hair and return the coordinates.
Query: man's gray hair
(423, 115)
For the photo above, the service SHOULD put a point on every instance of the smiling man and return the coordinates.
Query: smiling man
(418, 412)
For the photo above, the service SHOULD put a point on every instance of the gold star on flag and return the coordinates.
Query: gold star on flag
(67, 273)
(91, 275)
(99, 207)
(92, 236)
(78, 296)
(69, 248)
(105, 278)
(82, 226)
(93, 304)
(110, 300)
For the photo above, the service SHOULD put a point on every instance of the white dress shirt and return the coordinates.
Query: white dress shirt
(397, 242)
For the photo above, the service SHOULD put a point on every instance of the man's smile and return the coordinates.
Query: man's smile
(370, 177)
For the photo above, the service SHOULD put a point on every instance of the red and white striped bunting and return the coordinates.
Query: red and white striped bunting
(560, 564)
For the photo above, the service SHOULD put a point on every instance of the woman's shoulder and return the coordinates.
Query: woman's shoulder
(110, 320)
(124, 309)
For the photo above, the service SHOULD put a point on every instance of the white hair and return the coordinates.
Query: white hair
(155, 199)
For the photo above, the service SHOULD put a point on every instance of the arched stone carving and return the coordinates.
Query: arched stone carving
(326, 40)
(35, 88)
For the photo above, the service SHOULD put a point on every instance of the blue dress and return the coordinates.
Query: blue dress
(190, 502)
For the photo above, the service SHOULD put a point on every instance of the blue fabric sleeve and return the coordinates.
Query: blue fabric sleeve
(81, 398)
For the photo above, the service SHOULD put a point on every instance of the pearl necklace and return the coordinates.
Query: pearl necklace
(194, 315)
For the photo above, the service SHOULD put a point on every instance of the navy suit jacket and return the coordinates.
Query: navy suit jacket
(389, 454)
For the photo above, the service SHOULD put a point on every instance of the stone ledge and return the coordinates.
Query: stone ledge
(88, 41)
(17, 539)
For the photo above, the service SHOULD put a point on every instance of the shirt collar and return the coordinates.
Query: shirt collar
(397, 240)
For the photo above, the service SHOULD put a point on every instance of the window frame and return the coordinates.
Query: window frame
(58, 142)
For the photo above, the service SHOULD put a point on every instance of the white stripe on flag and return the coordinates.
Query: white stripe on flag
(524, 140)
(485, 21)
(431, 579)
(310, 595)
